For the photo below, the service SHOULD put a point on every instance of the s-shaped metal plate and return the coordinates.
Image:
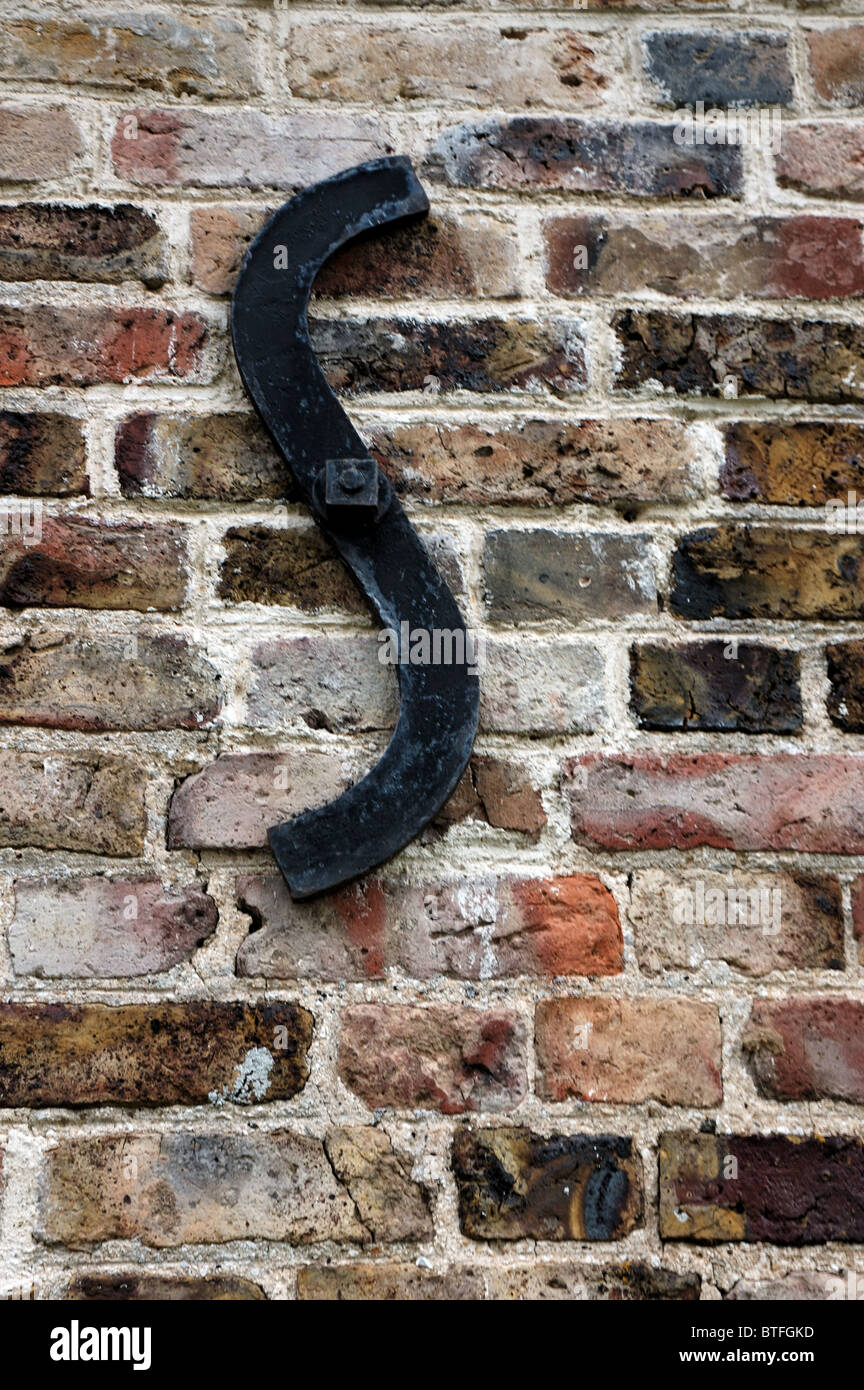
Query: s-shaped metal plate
(361, 517)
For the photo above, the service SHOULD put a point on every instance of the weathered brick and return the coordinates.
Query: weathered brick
(806, 1049)
(846, 679)
(234, 801)
(747, 68)
(297, 568)
(484, 355)
(796, 1286)
(800, 257)
(767, 572)
(129, 681)
(37, 142)
(95, 345)
(753, 1187)
(469, 64)
(484, 1283)
(716, 685)
(481, 927)
(717, 354)
(542, 688)
(515, 1185)
(83, 927)
(219, 238)
(222, 458)
(540, 574)
(162, 1288)
(345, 935)
(543, 462)
(93, 804)
(836, 57)
(182, 57)
(639, 158)
(753, 921)
(80, 562)
(42, 455)
(90, 242)
(822, 158)
(202, 1188)
(440, 257)
(152, 1054)
(390, 1204)
(329, 682)
(441, 1058)
(182, 148)
(497, 791)
(625, 1051)
(799, 463)
(727, 801)
(857, 892)
(337, 682)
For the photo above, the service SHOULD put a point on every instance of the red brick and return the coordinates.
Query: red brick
(807, 1049)
(442, 1058)
(785, 1189)
(84, 563)
(836, 58)
(128, 681)
(768, 257)
(151, 1054)
(441, 257)
(92, 346)
(182, 147)
(727, 801)
(478, 928)
(37, 142)
(91, 927)
(624, 1051)
(825, 158)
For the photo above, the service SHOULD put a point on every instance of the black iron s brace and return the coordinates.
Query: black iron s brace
(358, 512)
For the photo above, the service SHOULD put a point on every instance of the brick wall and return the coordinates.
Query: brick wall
(598, 1032)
